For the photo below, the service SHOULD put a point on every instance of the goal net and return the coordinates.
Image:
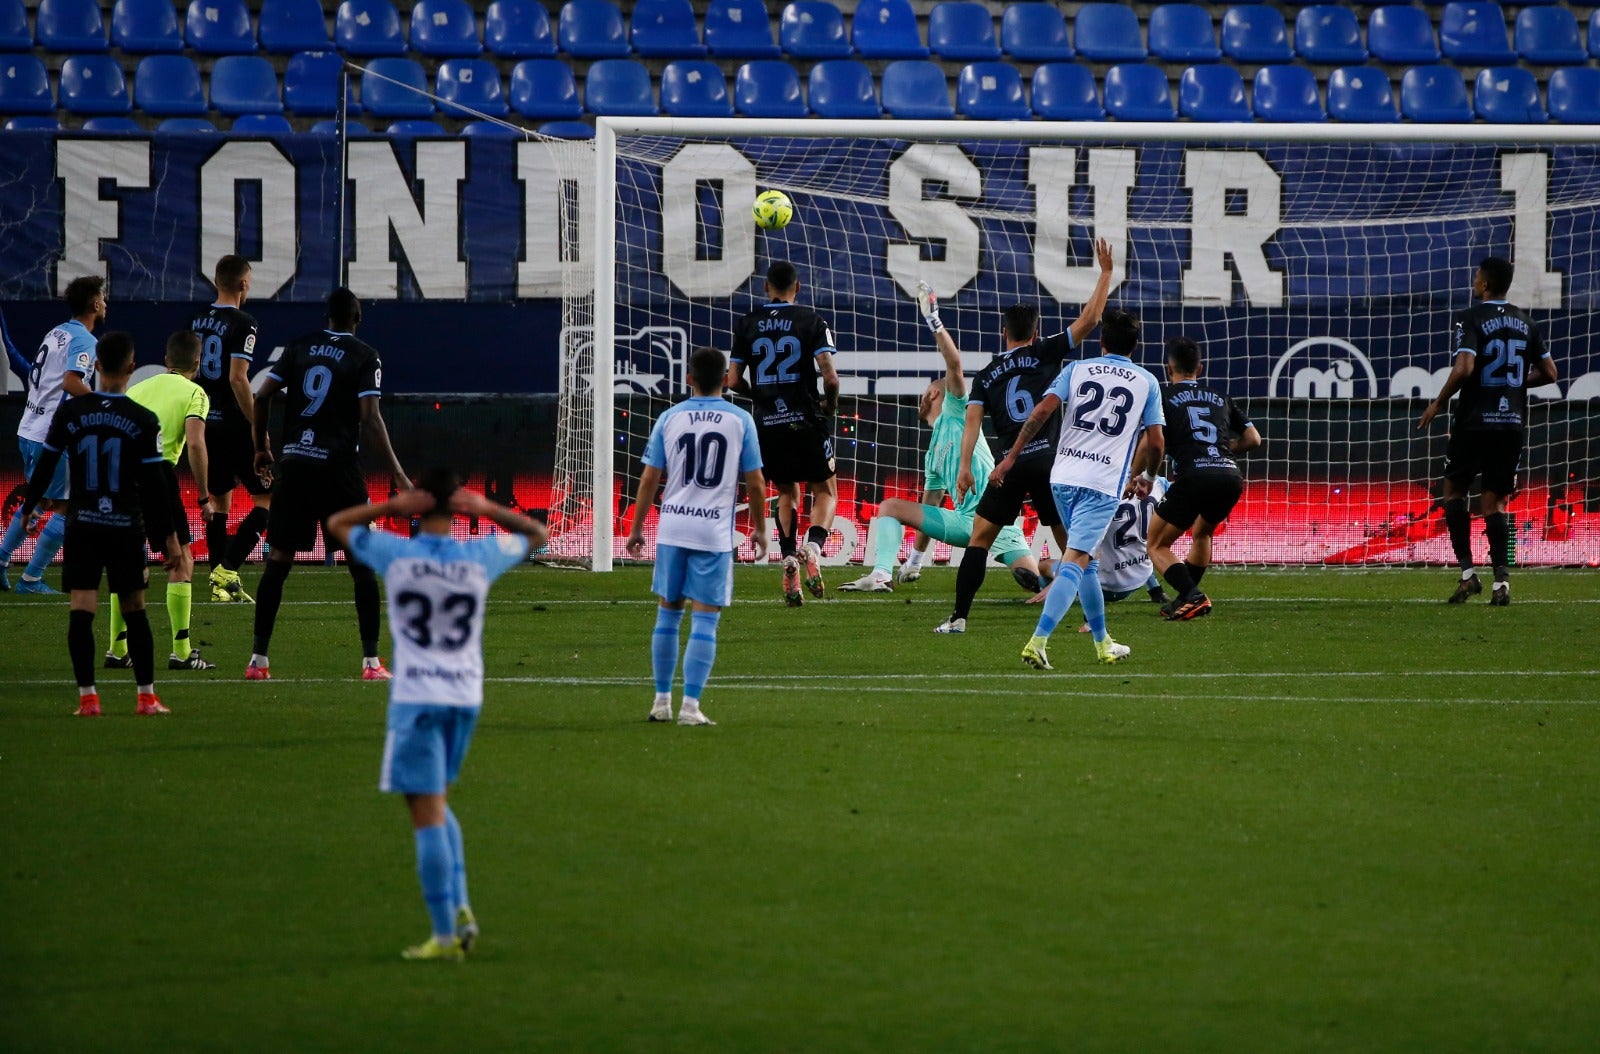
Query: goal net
(1318, 268)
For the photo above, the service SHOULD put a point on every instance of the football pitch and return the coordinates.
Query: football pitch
(1336, 815)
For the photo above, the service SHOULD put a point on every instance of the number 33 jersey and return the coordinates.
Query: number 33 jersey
(1106, 404)
(324, 377)
(437, 588)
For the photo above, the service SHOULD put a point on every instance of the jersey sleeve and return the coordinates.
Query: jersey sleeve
(655, 448)
(750, 449)
(199, 404)
(1238, 420)
(377, 549)
(80, 355)
(370, 380)
(1061, 387)
(247, 347)
(822, 338)
(741, 342)
(1463, 335)
(1056, 347)
(1153, 412)
(501, 553)
(279, 371)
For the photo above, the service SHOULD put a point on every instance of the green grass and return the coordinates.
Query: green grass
(1337, 815)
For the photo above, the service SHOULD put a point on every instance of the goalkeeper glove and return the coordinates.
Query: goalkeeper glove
(929, 303)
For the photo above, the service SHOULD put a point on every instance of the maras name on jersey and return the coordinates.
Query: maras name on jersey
(219, 326)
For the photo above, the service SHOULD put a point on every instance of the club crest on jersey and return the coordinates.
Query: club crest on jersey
(105, 505)
(308, 438)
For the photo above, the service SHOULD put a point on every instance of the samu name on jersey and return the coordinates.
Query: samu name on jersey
(67, 348)
(1504, 343)
(778, 344)
(226, 333)
(324, 377)
(1012, 385)
(1124, 554)
(108, 439)
(1105, 404)
(1201, 425)
(702, 446)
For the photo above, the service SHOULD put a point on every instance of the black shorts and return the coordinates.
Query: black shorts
(231, 458)
(1494, 454)
(1002, 504)
(118, 553)
(796, 453)
(1211, 495)
(303, 498)
(177, 515)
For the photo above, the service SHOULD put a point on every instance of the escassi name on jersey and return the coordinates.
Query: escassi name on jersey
(430, 569)
(1106, 369)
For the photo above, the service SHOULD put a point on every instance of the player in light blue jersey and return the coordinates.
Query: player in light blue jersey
(700, 448)
(437, 589)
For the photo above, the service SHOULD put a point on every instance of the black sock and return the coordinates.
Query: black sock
(80, 645)
(1459, 521)
(217, 538)
(786, 545)
(1497, 528)
(817, 535)
(366, 607)
(969, 579)
(1195, 573)
(245, 538)
(141, 646)
(269, 595)
(1179, 578)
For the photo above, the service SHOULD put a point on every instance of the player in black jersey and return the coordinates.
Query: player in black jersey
(227, 358)
(119, 492)
(1498, 354)
(1204, 430)
(788, 350)
(331, 382)
(1007, 390)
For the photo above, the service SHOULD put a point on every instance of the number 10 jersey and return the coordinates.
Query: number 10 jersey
(702, 446)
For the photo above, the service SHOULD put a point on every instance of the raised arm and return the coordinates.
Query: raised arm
(1096, 305)
(466, 502)
(404, 505)
(955, 382)
(375, 430)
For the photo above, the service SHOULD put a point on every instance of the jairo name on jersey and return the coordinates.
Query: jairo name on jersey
(690, 510)
(448, 572)
(705, 417)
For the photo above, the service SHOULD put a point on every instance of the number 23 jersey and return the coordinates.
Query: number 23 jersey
(1106, 404)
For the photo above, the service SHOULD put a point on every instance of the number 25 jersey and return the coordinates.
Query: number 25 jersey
(324, 376)
(1504, 343)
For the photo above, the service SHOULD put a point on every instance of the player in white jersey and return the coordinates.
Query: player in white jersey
(700, 447)
(62, 368)
(437, 590)
(1111, 421)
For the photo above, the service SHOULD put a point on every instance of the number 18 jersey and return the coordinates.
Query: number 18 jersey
(1106, 403)
(702, 446)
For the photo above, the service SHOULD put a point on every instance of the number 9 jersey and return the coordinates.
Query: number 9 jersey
(324, 377)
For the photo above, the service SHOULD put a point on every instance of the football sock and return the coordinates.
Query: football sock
(245, 537)
(969, 578)
(817, 536)
(141, 646)
(119, 628)
(1060, 597)
(180, 597)
(1153, 582)
(458, 860)
(664, 647)
(217, 538)
(435, 869)
(367, 607)
(269, 595)
(45, 549)
(13, 537)
(1195, 573)
(786, 534)
(700, 653)
(890, 532)
(80, 645)
(1459, 521)
(1179, 578)
(1497, 528)
(1093, 601)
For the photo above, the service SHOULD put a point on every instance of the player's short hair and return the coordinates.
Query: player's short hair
(707, 367)
(1022, 321)
(183, 350)
(229, 276)
(82, 291)
(782, 276)
(1184, 354)
(344, 309)
(114, 352)
(441, 482)
(1119, 331)
(1497, 274)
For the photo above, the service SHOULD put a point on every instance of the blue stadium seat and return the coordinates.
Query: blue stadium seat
(518, 29)
(70, 26)
(886, 29)
(1035, 32)
(545, 90)
(219, 27)
(1508, 96)
(665, 29)
(740, 29)
(168, 86)
(24, 85)
(393, 87)
(1548, 36)
(991, 91)
(1328, 34)
(1361, 95)
(145, 27)
(368, 28)
(842, 88)
(567, 130)
(1287, 94)
(1065, 91)
(1212, 93)
(768, 88)
(261, 124)
(243, 84)
(1183, 33)
(1594, 34)
(188, 126)
(1255, 33)
(470, 87)
(1136, 92)
(915, 89)
(120, 125)
(353, 129)
(445, 29)
(14, 33)
(1475, 34)
(695, 88)
(1108, 33)
(93, 84)
(1402, 34)
(620, 88)
(288, 26)
(962, 31)
(813, 29)
(311, 84)
(488, 130)
(1574, 95)
(415, 128)
(1434, 95)
(32, 124)
(592, 29)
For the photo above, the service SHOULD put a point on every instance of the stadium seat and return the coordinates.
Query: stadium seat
(261, 124)
(243, 84)
(768, 88)
(1361, 95)
(1255, 33)
(842, 88)
(813, 29)
(991, 91)
(1212, 93)
(545, 90)
(1574, 95)
(24, 85)
(518, 29)
(915, 89)
(1139, 93)
(1065, 91)
(353, 129)
(1594, 34)
(14, 33)
(145, 27)
(119, 125)
(219, 27)
(70, 26)
(93, 84)
(289, 26)
(1401, 34)
(1475, 34)
(188, 126)
(1548, 36)
(1183, 33)
(1108, 33)
(445, 29)
(592, 29)
(665, 29)
(168, 86)
(1508, 96)
(33, 124)
(1434, 95)
(567, 130)
(393, 87)
(368, 28)
(1328, 34)
(311, 84)
(488, 130)
(962, 31)
(886, 29)
(740, 29)
(1035, 32)
(620, 88)
(1287, 94)
(695, 88)
(469, 87)
(415, 128)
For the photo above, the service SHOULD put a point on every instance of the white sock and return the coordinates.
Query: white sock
(257, 659)
(84, 693)
(663, 699)
(1468, 572)
(371, 662)
(691, 705)
(147, 689)
(914, 561)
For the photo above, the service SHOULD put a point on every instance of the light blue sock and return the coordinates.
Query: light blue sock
(13, 537)
(1063, 591)
(49, 543)
(891, 532)
(1093, 601)
(701, 652)
(434, 867)
(1153, 582)
(458, 859)
(664, 647)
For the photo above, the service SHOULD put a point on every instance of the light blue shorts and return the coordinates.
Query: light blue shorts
(1087, 513)
(693, 573)
(424, 747)
(31, 453)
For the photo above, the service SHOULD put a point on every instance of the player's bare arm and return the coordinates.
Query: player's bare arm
(1460, 370)
(261, 410)
(73, 383)
(1146, 461)
(755, 488)
(737, 382)
(643, 500)
(830, 383)
(239, 381)
(1243, 444)
(1096, 305)
(377, 432)
(971, 429)
(194, 443)
(1544, 372)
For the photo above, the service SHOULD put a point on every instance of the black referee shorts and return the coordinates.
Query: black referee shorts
(303, 498)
